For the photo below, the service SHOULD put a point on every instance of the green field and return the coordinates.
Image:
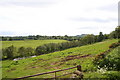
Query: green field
(58, 60)
(29, 43)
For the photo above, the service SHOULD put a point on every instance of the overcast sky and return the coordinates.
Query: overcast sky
(57, 17)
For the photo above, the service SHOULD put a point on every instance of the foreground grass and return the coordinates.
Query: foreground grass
(58, 60)
(29, 43)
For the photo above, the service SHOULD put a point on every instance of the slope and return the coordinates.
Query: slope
(58, 60)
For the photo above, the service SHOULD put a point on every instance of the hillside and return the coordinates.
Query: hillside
(58, 60)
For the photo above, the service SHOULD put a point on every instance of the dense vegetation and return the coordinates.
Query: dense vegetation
(110, 60)
(12, 49)
(113, 58)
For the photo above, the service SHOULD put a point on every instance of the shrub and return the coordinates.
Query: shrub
(10, 51)
(113, 75)
(114, 45)
(40, 50)
(22, 51)
(98, 57)
(111, 61)
(29, 51)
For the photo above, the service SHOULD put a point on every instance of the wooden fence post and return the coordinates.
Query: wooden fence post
(79, 68)
(55, 75)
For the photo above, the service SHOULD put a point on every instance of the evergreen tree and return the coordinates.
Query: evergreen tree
(100, 37)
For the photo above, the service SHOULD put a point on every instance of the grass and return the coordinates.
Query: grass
(57, 60)
(29, 43)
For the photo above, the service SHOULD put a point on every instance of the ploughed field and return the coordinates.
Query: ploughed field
(71, 57)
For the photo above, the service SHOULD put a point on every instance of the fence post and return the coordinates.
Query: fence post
(80, 72)
(55, 75)
(79, 68)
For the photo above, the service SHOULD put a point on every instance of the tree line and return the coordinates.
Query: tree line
(13, 52)
(39, 37)
(113, 34)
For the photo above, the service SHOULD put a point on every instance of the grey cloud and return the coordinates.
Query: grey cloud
(88, 27)
(119, 14)
(81, 19)
(4, 18)
(13, 33)
(7, 33)
(111, 7)
(27, 2)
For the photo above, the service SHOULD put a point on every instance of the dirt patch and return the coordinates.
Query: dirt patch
(12, 69)
(41, 59)
(52, 67)
(54, 63)
(56, 67)
(74, 57)
(57, 63)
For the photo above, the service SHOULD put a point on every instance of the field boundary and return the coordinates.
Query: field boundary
(78, 66)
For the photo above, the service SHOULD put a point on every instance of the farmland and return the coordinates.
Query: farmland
(83, 56)
(29, 43)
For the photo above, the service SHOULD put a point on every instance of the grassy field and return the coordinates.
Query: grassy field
(58, 60)
(29, 43)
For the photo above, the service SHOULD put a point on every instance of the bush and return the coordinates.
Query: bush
(114, 45)
(40, 50)
(22, 51)
(29, 51)
(10, 52)
(98, 58)
(111, 61)
(113, 75)
(119, 41)
(4, 54)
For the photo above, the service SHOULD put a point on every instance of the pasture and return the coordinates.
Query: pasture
(29, 43)
(83, 56)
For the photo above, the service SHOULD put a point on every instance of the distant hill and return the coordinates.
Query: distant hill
(82, 35)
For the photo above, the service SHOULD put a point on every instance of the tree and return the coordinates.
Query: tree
(117, 31)
(40, 50)
(100, 37)
(10, 39)
(4, 54)
(66, 36)
(112, 34)
(106, 36)
(37, 36)
(88, 39)
(29, 51)
(10, 51)
(22, 51)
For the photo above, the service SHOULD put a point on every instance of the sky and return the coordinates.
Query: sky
(57, 17)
